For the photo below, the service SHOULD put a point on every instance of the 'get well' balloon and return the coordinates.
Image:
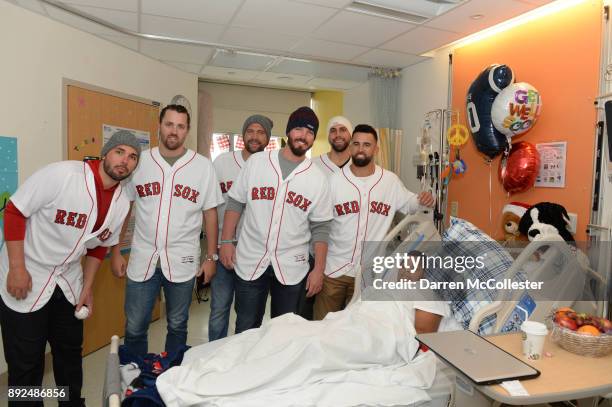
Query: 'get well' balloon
(516, 109)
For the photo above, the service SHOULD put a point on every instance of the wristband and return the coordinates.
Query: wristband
(232, 241)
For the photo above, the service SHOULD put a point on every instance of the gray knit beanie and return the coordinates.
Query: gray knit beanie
(264, 121)
(121, 137)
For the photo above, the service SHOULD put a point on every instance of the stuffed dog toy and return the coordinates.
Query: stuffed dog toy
(546, 221)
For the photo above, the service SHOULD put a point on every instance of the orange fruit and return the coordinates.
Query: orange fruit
(564, 309)
(588, 330)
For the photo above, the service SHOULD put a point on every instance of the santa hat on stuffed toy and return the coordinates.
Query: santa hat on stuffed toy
(517, 208)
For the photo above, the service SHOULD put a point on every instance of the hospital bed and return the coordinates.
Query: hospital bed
(408, 233)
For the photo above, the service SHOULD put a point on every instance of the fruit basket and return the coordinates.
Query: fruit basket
(581, 334)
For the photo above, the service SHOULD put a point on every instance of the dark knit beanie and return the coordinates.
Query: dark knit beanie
(303, 117)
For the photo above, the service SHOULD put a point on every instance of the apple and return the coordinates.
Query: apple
(567, 322)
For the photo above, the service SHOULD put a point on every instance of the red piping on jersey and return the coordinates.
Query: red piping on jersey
(71, 291)
(280, 223)
(169, 208)
(158, 212)
(237, 163)
(271, 216)
(382, 171)
(77, 243)
(365, 234)
(324, 163)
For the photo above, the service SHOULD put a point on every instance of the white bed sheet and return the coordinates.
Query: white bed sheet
(291, 361)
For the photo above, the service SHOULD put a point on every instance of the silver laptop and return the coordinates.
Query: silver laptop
(475, 357)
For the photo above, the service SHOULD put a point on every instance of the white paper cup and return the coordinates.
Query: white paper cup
(534, 334)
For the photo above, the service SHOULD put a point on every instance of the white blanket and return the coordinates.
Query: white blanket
(364, 355)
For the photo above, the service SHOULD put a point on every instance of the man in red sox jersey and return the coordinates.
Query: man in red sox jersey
(256, 132)
(171, 188)
(365, 198)
(339, 130)
(286, 200)
(62, 212)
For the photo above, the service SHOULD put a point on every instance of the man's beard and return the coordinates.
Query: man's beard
(115, 177)
(298, 151)
(339, 149)
(361, 161)
(175, 144)
(253, 150)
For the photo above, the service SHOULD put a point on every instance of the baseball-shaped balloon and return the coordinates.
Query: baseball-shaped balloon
(516, 109)
(82, 313)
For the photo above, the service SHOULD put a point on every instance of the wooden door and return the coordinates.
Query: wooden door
(87, 112)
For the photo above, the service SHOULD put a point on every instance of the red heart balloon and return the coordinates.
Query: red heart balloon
(518, 172)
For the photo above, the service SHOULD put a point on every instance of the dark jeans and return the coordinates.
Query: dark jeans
(221, 298)
(306, 304)
(251, 297)
(24, 337)
(140, 299)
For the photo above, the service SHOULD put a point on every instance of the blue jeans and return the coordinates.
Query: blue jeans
(222, 295)
(139, 302)
(251, 297)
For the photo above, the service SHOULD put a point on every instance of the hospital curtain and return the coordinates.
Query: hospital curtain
(384, 103)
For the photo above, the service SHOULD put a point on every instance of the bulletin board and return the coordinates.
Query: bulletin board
(88, 111)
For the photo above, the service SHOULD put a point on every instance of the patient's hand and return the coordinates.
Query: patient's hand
(426, 322)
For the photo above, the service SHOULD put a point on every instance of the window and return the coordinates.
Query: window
(224, 142)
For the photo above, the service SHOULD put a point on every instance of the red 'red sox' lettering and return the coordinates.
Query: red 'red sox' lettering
(186, 192)
(225, 186)
(106, 233)
(148, 189)
(346, 208)
(298, 201)
(380, 208)
(263, 193)
(74, 219)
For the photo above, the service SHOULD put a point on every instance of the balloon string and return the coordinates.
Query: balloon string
(490, 198)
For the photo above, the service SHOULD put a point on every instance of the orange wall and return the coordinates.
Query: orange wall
(559, 54)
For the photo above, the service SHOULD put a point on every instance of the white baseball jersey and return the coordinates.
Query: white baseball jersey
(327, 166)
(227, 166)
(59, 202)
(363, 209)
(276, 228)
(169, 202)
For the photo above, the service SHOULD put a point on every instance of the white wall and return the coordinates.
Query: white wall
(37, 53)
(424, 87)
(232, 104)
(357, 105)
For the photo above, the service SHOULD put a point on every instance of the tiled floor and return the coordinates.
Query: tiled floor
(94, 364)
